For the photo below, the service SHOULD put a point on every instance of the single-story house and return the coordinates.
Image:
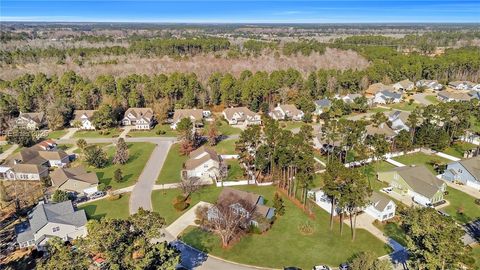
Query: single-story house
(381, 207)
(322, 105)
(241, 116)
(195, 115)
(322, 200)
(286, 111)
(382, 129)
(415, 181)
(465, 171)
(447, 96)
(83, 119)
(76, 180)
(51, 220)
(203, 163)
(31, 121)
(349, 98)
(430, 84)
(387, 97)
(462, 85)
(378, 87)
(399, 120)
(404, 85)
(141, 118)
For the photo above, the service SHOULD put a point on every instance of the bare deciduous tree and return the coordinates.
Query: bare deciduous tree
(189, 185)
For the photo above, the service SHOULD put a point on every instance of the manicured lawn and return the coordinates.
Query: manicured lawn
(172, 167)
(393, 230)
(371, 172)
(4, 147)
(223, 128)
(235, 171)
(405, 106)
(110, 133)
(458, 148)
(157, 131)
(106, 208)
(57, 134)
(432, 98)
(139, 153)
(284, 244)
(422, 159)
(475, 124)
(377, 109)
(291, 124)
(461, 203)
(226, 147)
(476, 255)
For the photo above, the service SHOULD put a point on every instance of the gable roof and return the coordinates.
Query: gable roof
(228, 193)
(62, 175)
(323, 103)
(196, 159)
(390, 94)
(290, 108)
(454, 95)
(382, 129)
(62, 213)
(36, 117)
(420, 179)
(244, 111)
(78, 114)
(405, 83)
(473, 166)
(29, 168)
(36, 155)
(377, 87)
(379, 201)
(196, 114)
(139, 113)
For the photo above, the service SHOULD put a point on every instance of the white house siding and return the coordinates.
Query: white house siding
(30, 176)
(59, 162)
(208, 169)
(65, 232)
(86, 124)
(322, 200)
(388, 213)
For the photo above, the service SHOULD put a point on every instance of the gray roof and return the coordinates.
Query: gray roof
(473, 166)
(379, 201)
(420, 179)
(57, 213)
(323, 103)
(391, 95)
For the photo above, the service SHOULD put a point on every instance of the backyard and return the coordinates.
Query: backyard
(285, 244)
(432, 98)
(223, 128)
(107, 208)
(458, 148)
(420, 158)
(172, 167)
(107, 133)
(226, 147)
(462, 207)
(139, 153)
(157, 131)
(235, 171)
(56, 134)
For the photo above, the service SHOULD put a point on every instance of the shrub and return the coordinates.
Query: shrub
(114, 197)
(180, 206)
(181, 198)
(446, 192)
(160, 132)
(477, 201)
(102, 187)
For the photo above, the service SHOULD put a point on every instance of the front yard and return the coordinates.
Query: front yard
(157, 131)
(4, 147)
(420, 158)
(284, 244)
(172, 167)
(462, 206)
(57, 134)
(106, 208)
(107, 133)
(139, 153)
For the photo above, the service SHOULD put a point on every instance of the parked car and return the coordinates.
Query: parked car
(321, 267)
(388, 189)
(292, 268)
(343, 266)
(97, 195)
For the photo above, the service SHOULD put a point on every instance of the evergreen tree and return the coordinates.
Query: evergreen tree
(121, 154)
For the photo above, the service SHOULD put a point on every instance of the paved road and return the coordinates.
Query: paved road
(420, 98)
(141, 193)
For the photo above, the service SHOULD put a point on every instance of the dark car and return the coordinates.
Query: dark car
(292, 268)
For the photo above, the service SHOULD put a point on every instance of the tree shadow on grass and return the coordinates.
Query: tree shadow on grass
(199, 239)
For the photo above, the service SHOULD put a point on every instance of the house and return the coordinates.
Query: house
(51, 220)
(378, 87)
(195, 115)
(399, 120)
(239, 199)
(403, 86)
(241, 116)
(430, 84)
(462, 85)
(349, 98)
(474, 94)
(322, 200)
(380, 207)
(203, 163)
(321, 106)
(447, 96)
(387, 97)
(141, 118)
(83, 119)
(31, 121)
(76, 180)
(465, 171)
(286, 111)
(382, 129)
(415, 181)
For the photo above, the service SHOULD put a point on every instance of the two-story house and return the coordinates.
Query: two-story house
(430, 84)
(31, 121)
(241, 116)
(286, 111)
(203, 163)
(141, 118)
(403, 86)
(465, 171)
(195, 115)
(387, 97)
(83, 119)
(76, 180)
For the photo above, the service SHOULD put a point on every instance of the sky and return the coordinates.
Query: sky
(249, 11)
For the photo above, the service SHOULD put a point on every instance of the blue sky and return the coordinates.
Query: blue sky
(234, 11)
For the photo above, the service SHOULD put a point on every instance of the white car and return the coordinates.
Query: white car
(387, 189)
(321, 267)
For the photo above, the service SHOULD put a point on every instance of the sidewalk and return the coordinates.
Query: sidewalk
(185, 220)
(443, 155)
(69, 134)
(125, 131)
(8, 152)
(396, 163)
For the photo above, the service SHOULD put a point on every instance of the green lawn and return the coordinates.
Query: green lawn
(139, 153)
(422, 159)
(4, 147)
(405, 106)
(235, 171)
(458, 148)
(284, 244)
(172, 167)
(110, 133)
(371, 172)
(65, 146)
(432, 98)
(106, 208)
(289, 125)
(167, 132)
(57, 134)
(463, 202)
(476, 256)
(377, 109)
(475, 124)
(223, 128)
(226, 147)
(392, 230)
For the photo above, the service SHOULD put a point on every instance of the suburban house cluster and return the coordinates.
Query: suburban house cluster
(140, 118)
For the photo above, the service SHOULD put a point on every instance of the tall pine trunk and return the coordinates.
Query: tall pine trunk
(331, 214)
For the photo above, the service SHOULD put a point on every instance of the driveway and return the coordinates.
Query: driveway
(420, 98)
(69, 133)
(141, 193)
(8, 152)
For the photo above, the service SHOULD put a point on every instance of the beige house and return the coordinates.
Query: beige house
(31, 121)
(378, 87)
(195, 115)
(83, 119)
(203, 163)
(404, 85)
(382, 129)
(141, 118)
(286, 111)
(76, 180)
(241, 116)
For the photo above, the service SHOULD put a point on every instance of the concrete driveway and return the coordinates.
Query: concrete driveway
(420, 98)
(141, 193)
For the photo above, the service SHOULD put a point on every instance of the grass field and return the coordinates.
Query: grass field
(476, 255)
(458, 148)
(393, 230)
(462, 206)
(432, 98)
(57, 134)
(226, 147)
(4, 147)
(421, 159)
(285, 244)
(223, 128)
(110, 133)
(106, 208)
(404, 106)
(371, 172)
(235, 171)
(475, 124)
(139, 153)
(289, 125)
(167, 132)
(172, 167)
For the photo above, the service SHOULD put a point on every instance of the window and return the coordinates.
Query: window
(56, 229)
(389, 207)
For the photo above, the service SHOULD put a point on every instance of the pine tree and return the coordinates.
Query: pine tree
(278, 204)
(118, 176)
(121, 155)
